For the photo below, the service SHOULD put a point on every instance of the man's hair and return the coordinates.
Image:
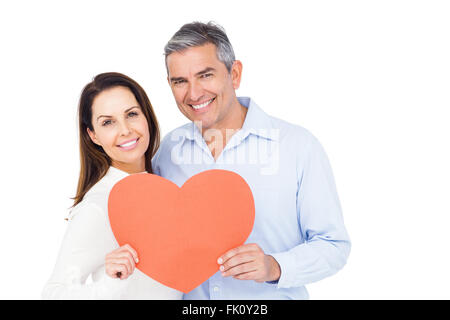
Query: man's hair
(197, 34)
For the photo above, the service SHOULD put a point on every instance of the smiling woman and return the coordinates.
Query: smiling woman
(119, 135)
(113, 108)
(120, 128)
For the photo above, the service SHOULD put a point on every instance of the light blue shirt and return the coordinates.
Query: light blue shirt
(298, 218)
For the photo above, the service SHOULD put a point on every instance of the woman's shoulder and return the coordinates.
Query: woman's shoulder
(92, 201)
(96, 199)
(97, 191)
(86, 207)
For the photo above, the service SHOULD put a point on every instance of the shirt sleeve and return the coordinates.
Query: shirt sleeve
(86, 242)
(327, 244)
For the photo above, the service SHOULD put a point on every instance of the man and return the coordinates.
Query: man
(298, 235)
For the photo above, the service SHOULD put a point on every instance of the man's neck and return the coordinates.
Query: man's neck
(217, 137)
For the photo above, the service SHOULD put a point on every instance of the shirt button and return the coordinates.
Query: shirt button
(216, 289)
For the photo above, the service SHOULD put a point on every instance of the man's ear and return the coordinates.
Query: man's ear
(236, 73)
(93, 137)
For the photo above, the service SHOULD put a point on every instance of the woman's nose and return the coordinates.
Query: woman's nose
(125, 128)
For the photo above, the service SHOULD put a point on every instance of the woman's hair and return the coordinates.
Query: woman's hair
(94, 162)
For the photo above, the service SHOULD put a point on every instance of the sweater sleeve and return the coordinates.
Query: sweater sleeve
(86, 242)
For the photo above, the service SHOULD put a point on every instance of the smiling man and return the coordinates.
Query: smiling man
(299, 235)
(204, 90)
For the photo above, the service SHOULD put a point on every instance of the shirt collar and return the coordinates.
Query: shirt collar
(256, 122)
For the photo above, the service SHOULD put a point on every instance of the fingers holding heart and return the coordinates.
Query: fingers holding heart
(121, 262)
(244, 263)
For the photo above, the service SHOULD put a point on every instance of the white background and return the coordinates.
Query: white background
(370, 79)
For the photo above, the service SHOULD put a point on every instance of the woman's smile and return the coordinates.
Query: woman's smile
(128, 145)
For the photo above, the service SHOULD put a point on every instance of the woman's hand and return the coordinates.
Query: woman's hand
(121, 262)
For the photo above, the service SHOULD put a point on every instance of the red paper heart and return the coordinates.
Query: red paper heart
(179, 233)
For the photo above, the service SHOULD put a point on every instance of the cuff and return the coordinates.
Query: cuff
(283, 260)
(113, 288)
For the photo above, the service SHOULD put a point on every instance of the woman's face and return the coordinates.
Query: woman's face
(120, 128)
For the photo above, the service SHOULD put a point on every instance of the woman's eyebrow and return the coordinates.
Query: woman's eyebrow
(103, 116)
(130, 109)
(106, 116)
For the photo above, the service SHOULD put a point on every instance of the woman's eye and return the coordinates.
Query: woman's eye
(133, 114)
(106, 122)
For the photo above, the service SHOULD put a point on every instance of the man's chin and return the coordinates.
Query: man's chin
(203, 124)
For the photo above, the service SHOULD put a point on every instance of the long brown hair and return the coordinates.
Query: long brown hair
(94, 162)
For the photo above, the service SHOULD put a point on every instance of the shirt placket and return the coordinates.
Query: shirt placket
(216, 287)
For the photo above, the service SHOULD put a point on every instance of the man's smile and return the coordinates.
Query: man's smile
(202, 105)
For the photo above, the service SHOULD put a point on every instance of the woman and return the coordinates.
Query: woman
(119, 134)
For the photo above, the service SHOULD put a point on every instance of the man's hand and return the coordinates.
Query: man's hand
(249, 262)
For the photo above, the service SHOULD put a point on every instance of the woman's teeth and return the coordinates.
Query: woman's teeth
(128, 144)
(200, 106)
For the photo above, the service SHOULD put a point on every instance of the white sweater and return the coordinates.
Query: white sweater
(87, 241)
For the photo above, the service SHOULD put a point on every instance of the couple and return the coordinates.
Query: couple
(298, 236)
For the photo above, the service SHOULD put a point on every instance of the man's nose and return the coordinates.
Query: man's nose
(195, 91)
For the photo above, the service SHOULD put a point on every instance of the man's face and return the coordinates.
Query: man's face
(203, 88)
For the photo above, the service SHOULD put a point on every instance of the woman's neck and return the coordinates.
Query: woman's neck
(130, 168)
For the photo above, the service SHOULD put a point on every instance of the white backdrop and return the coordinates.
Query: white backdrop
(370, 79)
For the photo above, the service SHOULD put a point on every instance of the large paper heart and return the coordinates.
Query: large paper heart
(179, 233)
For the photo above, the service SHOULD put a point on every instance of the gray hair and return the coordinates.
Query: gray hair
(197, 34)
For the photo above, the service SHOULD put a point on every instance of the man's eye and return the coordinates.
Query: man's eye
(178, 82)
(206, 75)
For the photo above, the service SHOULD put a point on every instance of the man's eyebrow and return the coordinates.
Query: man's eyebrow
(123, 112)
(209, 69)
(177, 79)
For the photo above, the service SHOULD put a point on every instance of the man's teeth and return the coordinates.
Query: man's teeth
(128, 143)
(199, 106)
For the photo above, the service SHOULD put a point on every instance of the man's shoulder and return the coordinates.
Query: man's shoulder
(289, 131)
(286, 130)
(169, 140)
(176, 134)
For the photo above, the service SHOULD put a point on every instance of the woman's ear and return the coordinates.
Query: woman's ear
(92, 136)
